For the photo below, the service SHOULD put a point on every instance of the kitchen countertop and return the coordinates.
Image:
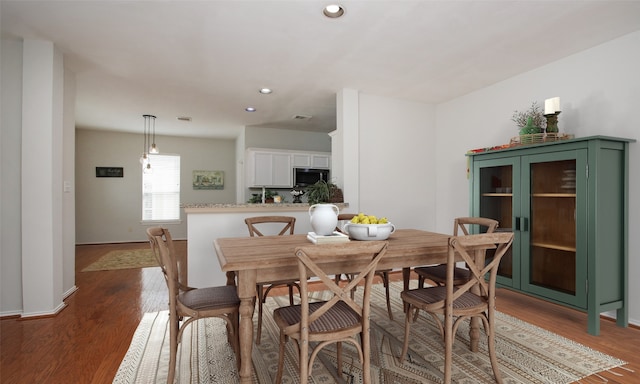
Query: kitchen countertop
(284, 207)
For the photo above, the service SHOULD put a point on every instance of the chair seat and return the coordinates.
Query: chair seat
(438, 274)
(422, 297)
(201, 298)
(339, 317)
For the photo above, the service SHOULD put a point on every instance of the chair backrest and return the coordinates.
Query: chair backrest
(259, 224)
(342, 217)
(465, 247)
(350, 255)
(174, 267)
(464, 224)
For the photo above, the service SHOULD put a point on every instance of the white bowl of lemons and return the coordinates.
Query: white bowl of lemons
(368, 227)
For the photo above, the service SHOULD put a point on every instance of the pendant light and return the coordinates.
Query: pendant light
(152, 126)
(144, 157)
(149, 130)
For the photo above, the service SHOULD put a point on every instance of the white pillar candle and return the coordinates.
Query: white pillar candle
(552, 105)
(548, 107)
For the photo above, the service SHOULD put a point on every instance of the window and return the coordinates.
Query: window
(161, 188)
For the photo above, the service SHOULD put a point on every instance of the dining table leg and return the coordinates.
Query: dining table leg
(247, 294)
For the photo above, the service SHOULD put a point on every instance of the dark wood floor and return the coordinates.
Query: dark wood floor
(86, 342)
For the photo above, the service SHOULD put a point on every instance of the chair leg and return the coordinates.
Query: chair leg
(366, 356)
(283, 341)
(385, 282)
(416, 315)
(407, 330)
(290, 286)
(338, 358)
(448, 347)
(173, 345)
(353, 291)
(491, 346)
(348, 278)
(420, 281)
(234, 334)
(260, 300)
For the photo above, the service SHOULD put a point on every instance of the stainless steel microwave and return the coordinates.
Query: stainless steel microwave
(303, 177)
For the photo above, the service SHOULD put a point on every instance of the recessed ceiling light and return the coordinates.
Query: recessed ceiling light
(250, 109)
(265, 91)
(333, 11)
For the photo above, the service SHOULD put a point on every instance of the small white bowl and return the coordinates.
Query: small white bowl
(369, 231)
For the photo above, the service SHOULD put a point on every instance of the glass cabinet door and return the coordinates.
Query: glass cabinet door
(549, 226)
(497, 199)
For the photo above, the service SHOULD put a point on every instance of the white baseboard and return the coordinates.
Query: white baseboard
(69, 292)
(54, 312)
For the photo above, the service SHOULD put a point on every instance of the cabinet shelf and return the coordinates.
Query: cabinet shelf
(495, 194)
(553, 195)
(554, 246)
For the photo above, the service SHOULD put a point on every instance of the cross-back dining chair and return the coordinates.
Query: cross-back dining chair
(438, 273)
(338, 319)
(382, 273)
(259, 226)
(190, 303)
(449, 305)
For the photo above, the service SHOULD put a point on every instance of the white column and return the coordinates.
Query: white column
(348, 124)
(42, 223)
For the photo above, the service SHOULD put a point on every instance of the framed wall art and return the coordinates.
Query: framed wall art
(203, 180)
(109, 172)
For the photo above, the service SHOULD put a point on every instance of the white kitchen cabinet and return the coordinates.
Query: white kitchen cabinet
(320, 161)
(301, 160)
(274, 168)
(269, 169)
(311, 160)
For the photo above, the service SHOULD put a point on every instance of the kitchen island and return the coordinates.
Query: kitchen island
(207, 222)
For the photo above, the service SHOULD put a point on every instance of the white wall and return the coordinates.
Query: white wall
(10, 144)
(240, 173)
(38, 98)
(259, 137)
(599, 91)
(110, 209)
(394, 158)
(68, 187)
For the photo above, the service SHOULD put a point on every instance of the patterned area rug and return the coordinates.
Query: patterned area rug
(123, 259)
(527, 354)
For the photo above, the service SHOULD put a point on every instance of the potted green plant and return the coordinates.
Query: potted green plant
(256, 198)
(324, 192)
(530, 121)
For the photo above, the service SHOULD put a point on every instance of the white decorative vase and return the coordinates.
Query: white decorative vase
(324, 218)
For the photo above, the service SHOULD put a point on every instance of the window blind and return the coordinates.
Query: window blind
(161, 189)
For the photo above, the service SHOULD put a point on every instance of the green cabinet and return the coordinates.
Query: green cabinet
(567, 204)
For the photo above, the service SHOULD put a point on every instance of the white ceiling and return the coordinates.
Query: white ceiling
(208, 59)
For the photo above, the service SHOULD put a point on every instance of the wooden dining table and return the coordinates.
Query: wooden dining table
(250, 260)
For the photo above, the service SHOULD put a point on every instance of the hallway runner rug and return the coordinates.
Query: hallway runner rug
(123, 259)
(526, 353)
